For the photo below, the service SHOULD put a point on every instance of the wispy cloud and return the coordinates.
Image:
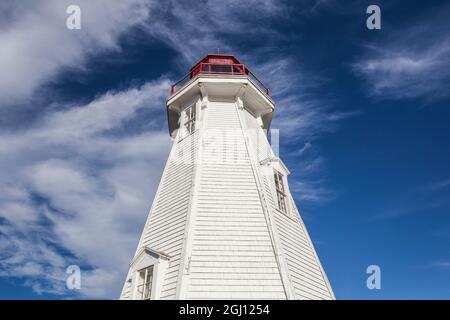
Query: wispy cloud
(441, 264)
(436, 186)
(302, 113)
(309, 186)
(412, 63)
(303, 149)
(425, 198)
(75, 193)
(35, 43)
(311, 191)
(195, 28)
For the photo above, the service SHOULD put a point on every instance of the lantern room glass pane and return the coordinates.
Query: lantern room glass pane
(221, 68)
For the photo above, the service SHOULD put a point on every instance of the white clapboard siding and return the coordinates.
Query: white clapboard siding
(232, 255)
(166, 223)
(258, 138)
(303, 267)
(217, 218)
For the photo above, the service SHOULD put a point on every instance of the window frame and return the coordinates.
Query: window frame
(147, 284)
(190, 119)
(155, 262)
(280, 190)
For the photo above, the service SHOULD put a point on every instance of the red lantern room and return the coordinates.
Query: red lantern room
(218, 77)
(218, 64)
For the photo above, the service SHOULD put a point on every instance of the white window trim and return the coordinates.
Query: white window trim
(281, 193)
(147, 284)
(145, 259)
(184, 121)
(275, 164)
(190, 118)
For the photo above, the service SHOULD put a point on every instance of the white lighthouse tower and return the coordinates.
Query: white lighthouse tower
(223, 224)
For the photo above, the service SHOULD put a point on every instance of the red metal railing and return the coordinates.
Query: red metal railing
(215, 68)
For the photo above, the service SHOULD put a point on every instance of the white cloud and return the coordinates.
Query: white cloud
(442, 264)
(196, 28)
(426, 197)
(403, 74)
(437, 186)
(300, 114)
(304, 149)
(70, 184)
(411, 63)
(311, 191)
(36, 43)
(309, 186)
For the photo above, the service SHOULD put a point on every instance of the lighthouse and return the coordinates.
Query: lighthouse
(223, 223)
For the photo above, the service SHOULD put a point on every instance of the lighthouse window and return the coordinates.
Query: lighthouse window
(281, 194)
(144, 285)
(189, 122)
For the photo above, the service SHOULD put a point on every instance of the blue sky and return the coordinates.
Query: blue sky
(363, 118)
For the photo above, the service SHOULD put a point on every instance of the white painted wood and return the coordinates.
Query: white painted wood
(215, 214)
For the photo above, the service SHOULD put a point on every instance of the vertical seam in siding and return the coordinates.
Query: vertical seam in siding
(271, 231)
(190, 216)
